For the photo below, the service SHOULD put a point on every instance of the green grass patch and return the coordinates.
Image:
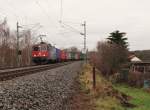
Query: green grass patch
(140, 98)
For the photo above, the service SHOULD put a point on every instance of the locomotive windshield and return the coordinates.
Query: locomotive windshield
(36, 49)
(40, 47)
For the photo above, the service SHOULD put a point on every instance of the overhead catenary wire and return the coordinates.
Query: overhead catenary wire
(49, 17)
(17, 17)
(71, 22)
(6, 14)
(45, 12)
(30, 24)
(64, 23)
(70, 28)
(14, 9)
(33, 26)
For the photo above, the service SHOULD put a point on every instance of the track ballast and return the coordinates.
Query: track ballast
(8, 74)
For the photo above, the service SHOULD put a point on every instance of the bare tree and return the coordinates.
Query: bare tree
(8, 45)
(109, 58)
(4, 43)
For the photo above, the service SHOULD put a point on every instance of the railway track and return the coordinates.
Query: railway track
(7, 74)
(13, 67)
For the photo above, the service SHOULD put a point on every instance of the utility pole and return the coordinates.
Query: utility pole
(94, 78)
(17, 49)
(85, 51)
(61, 11)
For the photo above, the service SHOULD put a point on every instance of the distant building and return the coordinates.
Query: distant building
(140, 72)
(137, 72)
(134, 58)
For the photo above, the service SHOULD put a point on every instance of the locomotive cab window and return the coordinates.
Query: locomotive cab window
(36, 48)
(43, 48)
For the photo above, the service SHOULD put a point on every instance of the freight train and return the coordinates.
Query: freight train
(44, 53)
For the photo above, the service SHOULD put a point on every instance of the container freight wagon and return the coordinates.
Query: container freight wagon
(68, 56)
(82, 56)
(72, 55)
(52, 54)
(63, 55)
(77, 55)
(58, 55)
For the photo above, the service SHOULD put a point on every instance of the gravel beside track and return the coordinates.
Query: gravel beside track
(16, 72)
(12, 67)
(47, 90)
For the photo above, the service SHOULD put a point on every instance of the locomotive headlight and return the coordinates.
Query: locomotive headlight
(39, 54)
(44, 55)
(34, 55)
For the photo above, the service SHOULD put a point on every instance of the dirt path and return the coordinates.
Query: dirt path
(80, 100)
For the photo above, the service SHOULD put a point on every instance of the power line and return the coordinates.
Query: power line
(71, 22)
(63, 24)
(46, 14)
(14, 9)
(34, 26)
(10, 13)
(43, 10)
(72, 28)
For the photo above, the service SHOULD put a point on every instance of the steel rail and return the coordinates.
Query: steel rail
(17, 72)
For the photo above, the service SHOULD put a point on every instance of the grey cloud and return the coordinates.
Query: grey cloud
(102, 16)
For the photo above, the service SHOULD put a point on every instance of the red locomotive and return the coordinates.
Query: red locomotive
(43, 53)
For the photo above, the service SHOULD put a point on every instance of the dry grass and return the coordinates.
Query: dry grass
(99, 95)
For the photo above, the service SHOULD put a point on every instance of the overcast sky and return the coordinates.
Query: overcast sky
(102, 17)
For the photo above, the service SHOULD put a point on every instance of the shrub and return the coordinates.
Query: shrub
(136, 79)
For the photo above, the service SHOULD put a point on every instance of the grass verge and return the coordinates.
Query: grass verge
(100, 97)
(140, 97)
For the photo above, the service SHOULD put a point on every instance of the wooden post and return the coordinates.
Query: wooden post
(94, 78)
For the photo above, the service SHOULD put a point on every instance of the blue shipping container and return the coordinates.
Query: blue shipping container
(58, 52)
